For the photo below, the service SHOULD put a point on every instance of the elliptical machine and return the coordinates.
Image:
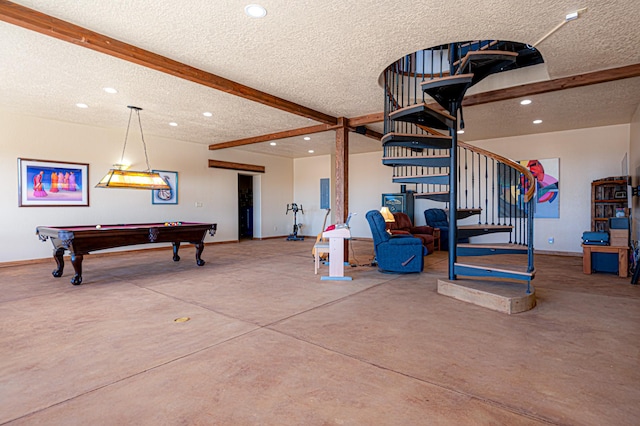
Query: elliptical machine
(295, 208)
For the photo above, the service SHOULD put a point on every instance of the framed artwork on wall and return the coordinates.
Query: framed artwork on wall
(513, 185)
(400, 202)
(43, 183)
(166, 196)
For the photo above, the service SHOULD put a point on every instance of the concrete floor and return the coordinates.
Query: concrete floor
(269, 343)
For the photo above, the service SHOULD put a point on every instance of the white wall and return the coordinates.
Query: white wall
(306, 190)
(368, 179)
(276, 190)
(216, 189)
(585, 155)
(634, 171)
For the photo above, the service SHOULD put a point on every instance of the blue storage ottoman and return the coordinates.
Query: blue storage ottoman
(604, 262)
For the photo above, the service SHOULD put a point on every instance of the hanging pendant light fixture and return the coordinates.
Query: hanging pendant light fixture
(120, 178)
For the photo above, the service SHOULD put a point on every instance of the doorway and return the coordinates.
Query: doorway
(245, 207)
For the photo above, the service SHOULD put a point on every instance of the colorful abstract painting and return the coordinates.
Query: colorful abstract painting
(513, 185)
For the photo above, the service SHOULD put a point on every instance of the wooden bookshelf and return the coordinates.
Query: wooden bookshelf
(608, 198)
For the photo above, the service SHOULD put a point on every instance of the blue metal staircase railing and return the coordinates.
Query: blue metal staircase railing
(486, 185)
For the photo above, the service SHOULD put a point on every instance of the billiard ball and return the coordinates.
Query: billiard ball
(98, 226)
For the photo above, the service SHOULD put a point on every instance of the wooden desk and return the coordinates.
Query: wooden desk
(623, 258)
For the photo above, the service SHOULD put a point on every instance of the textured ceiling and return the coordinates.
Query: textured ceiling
(324, 55)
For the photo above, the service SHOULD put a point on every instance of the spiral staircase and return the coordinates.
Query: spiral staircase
(489, 198)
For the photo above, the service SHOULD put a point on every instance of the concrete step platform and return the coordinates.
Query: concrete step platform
(502, 296)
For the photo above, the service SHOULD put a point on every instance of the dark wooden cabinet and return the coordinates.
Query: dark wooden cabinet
(400, 202)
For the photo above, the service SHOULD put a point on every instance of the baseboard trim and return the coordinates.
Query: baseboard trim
(274, 237)
(559, 253)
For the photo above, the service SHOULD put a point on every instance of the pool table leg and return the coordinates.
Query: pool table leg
(76, 261)
(176, 247)
(57, 255)
(199, 248)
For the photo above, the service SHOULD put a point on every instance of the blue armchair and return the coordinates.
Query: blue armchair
(437, 218)
(395, 253)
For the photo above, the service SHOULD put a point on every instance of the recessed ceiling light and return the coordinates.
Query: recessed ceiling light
(255, 11)
(460, 132)
(525, 102)
(110, 90)
(207, 114)
(173, 124)
(307, 138)
(311, 151)
(273, 144)
(82, 105)
(537, 121)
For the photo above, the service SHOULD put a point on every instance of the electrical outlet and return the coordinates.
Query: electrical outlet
(275, 228)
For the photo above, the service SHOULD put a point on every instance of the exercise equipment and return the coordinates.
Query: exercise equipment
(295, 209)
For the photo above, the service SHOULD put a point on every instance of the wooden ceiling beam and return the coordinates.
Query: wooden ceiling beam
(62, 30)
(360, 122)
(579, 80)
(571, 82)
(216, 164)
(288, 134)
(373, 134)
(44, 24)
(365, 119)
(273, 136)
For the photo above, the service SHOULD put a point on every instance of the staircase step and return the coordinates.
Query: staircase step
(466, 231)
(501, 296)
(490, 271)
(423, 161)
(469, 47)
(409, 140)
(424, 115)
(447, 89)
(485, 57)
(484, 66)
(465, 213)
(464, 249)
(442, 196)
(442, 179)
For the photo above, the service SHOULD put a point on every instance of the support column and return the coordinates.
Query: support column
(342, 171)
(342, 177)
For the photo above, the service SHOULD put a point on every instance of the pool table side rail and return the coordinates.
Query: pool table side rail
(87, 239)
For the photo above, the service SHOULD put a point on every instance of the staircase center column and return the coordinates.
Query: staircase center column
(453, 192)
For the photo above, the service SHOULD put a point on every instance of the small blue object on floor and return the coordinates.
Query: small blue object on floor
(328, 278)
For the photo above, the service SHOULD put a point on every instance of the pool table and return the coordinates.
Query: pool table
(80, 240)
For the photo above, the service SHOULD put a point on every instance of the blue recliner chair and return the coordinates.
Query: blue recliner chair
(395, 253)
(437, 218)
